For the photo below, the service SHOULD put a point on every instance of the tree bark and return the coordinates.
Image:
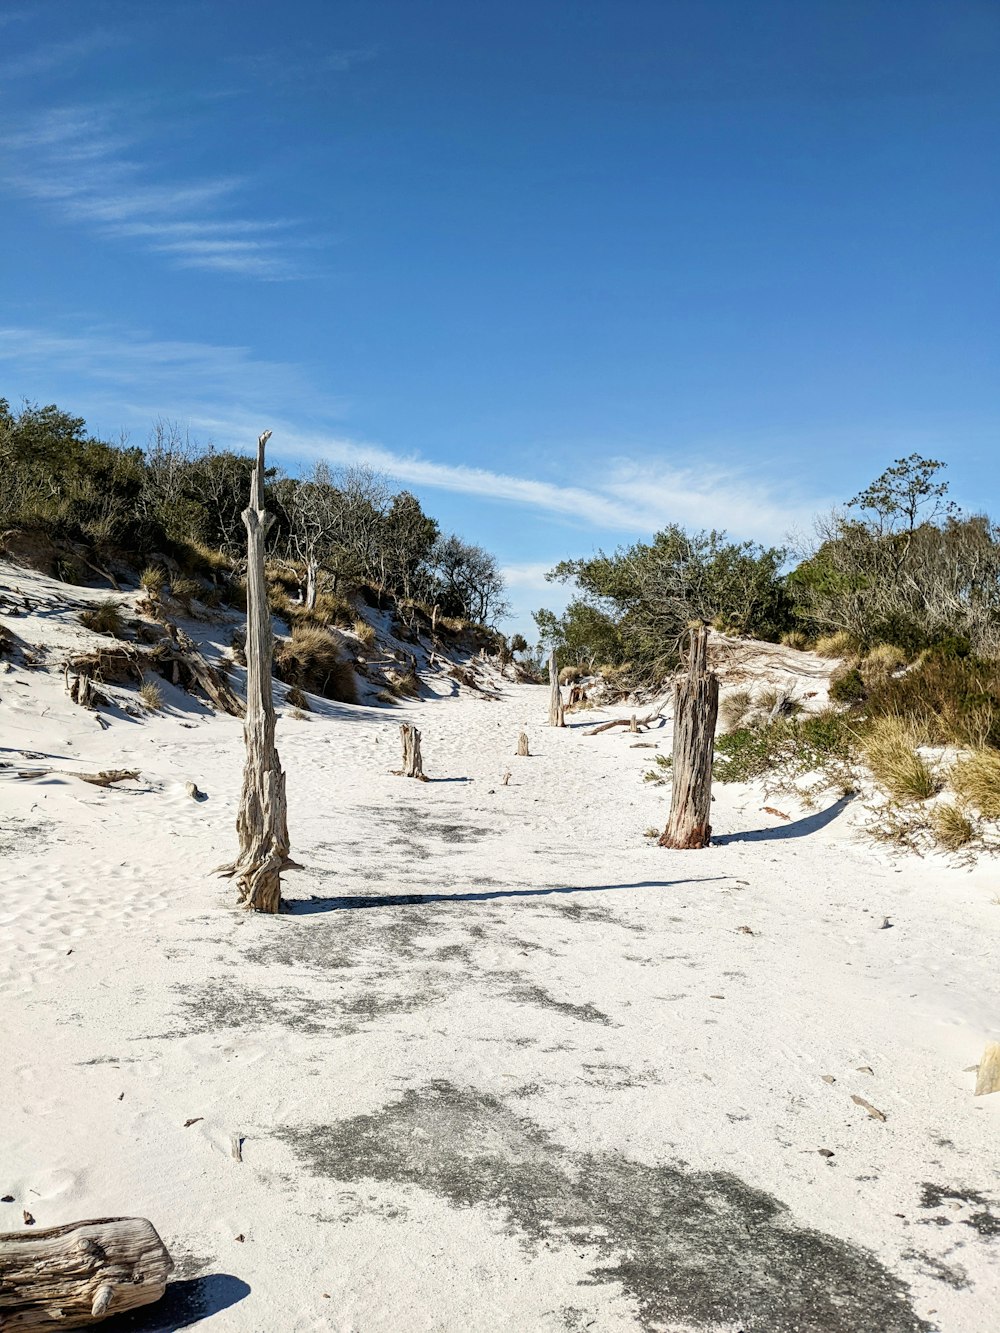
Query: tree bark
(261, 822)
(522, 745)
(556, 715)
(413, 764)
(72, 1276)
(696, 707)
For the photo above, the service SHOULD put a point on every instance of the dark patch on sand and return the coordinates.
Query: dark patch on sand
(951, 1275)
(515, 986)
(689, 1247)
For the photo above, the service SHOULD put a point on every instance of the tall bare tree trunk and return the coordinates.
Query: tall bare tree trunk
(311, 583)
(262, 819)
(556, 716)
(696, 707)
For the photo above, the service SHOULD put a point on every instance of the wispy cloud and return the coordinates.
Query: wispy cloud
(89, 161)
(298, 65)
(57, 55)
(228, 394)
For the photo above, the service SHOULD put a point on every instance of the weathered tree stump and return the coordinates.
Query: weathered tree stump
(988, 1076)
(522, 745)
(72, 1276)
(696, 707)
(557, 716)
(261, 822)
(413, 764)
(633, 724)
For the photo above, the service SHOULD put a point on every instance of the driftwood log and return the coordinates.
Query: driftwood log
(696, 708)
(652, 716)
(75, 1275)
(522, 745)
(557, 717)
(413, 764)
(176, 657)
(261, 822)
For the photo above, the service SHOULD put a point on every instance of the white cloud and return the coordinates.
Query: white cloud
(84, 159)
(229, 395)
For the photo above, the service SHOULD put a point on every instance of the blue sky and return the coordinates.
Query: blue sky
(569, 271)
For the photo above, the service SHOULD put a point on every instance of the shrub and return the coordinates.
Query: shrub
(951, 827)
(151, 695)
(312, 659)
(238, 646)
(795, 638)
(104, 618)
(569, 675)
(847, 685)
(955, 699)
(734, 708)
(364, 633)
(890, 749)
(977, 781)
(153, 579)
(295, 698)
(788, 749)
(840, 644)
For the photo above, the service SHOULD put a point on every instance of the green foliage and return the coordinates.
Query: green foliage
(953, 699)
(646, 595)
(847, 685)
(787, 748)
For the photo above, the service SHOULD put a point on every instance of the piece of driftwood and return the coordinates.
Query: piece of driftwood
(75, 1275)
(191, 670)
(988, 1074)
(696, 708)
(557, 715)
(261, 821)
(413, 764)
(176, 657)
(641, 723)
(522, 745)
(106, 778)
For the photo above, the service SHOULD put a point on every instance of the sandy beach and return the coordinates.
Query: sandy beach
(505, 1063)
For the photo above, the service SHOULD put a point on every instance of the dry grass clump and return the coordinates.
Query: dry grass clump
(151, 695)
(734, 709)
(952, 828)
(891, 751)
(884, 659)
(570, 675)
(795, 638)
(104, 618)
(153, 579)
(313, 660)
(185, 590)
(955, 699)
(977, 781)
(404, 684)
(840, 644)
(197, 558)
(295, 698)
(364, 633)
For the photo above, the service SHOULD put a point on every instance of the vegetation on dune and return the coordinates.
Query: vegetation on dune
(314, 659)
(176, 509)
(104, 618)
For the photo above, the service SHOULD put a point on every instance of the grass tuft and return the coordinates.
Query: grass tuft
(952, 828)
(891, 751)
(976, 780)
(734, 709)
(151, 695)
(104, 618)
(313, 660)
(364, 633)
(840, 644)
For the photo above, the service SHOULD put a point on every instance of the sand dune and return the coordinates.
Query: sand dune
(505, 1064)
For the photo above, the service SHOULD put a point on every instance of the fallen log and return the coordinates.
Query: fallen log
(74, 1275)
(632, 722)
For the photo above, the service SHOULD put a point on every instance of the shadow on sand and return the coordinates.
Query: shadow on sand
(308, 906)
(795, 828)
(184, 1303)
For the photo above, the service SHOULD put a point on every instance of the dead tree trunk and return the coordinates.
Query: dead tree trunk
(696, 707)
(262, 822)
(73, 1275)
(557, 716)
(413, 764)
(311, 583)
(522, 745)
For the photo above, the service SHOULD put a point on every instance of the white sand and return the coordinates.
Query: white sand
(552, 1042)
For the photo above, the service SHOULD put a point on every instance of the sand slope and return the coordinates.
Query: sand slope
(506, 1065)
